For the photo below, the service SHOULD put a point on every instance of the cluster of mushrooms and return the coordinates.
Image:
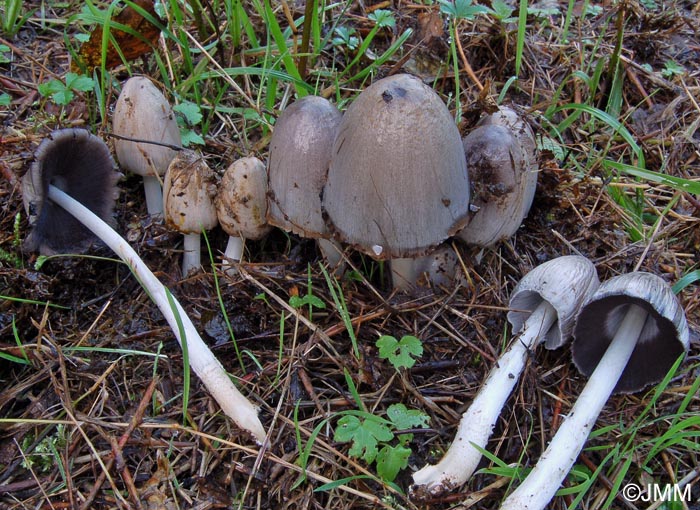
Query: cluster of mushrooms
(391, 178)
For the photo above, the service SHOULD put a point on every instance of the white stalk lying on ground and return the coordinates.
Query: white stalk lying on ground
(202, 360)
(462, 458)
(546, 477)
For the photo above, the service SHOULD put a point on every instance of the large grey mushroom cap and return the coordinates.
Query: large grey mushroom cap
(300, 152)
(80, 164)
(565, 283)
(241, 201)
(397, 183)
(663, 339)
(143, 113)
(502, 169)
(189, 189)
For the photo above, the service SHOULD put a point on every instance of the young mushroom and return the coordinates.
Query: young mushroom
(189, 189)
(241, 206)
(300, 152)
(502, 169)
(543, 309)
(146, 132)
(627, 336)
(55, 176)
(397, 184)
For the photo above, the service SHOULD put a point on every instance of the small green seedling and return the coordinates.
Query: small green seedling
(400, 353)
(190, 115)
(345, 36)
(671, 69)
(62, 92)
(309, 299)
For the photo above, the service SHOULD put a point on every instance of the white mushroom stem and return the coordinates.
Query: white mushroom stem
(191, 256)
(332, 253)
(202, 360)
(404, 273)
(462, 458)
(233, 252)
(546, 477)
(154, 195)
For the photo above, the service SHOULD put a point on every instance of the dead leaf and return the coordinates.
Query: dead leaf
(131, 46)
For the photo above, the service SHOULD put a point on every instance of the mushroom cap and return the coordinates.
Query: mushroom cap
(241, 201)
(81, 165)
(300, 152)
(189, 189)
(565, 283)
(397, 183)
(663, 339)
(143, 113)
(502, 169)
(439, 268)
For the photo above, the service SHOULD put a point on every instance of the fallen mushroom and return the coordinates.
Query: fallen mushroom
(51, 182)
(300, 152)
(397, 184)
(502, 169)
(189, 189)
(627, 336)
(543, 309)
(241, 206)
(146, 132)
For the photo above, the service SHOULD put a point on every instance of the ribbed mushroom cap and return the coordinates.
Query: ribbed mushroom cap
(565, 283)
(143, 113)
(664, 337)
(189, 189)
(241, 201)
(81, 165)
(300, 152)
(398, 182)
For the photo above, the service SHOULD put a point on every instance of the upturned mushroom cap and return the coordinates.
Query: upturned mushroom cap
(664, 337)
(503, 174)
(143, 113)
(565, 283)
(81, 165)
(300, 152)
(398, 182)
(241, 201)
(189, 189)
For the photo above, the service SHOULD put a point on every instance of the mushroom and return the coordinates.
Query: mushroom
(61, 160)
(502, 169)
(188, 197)
(80, 164)
(241, 206)
(300, 152)
(397, 184)
(440, 268)
(146, 133)
(627, 336)
(543, 309)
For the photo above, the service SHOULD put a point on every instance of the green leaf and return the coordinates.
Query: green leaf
(5, 99)
(404, 418)
(189, 137)
(391, 460)
(400, 353)
(501, 10)
(461, 9)
(383, 18)
(79, 82)
(672, 68)
(364, 434)
(190, 111)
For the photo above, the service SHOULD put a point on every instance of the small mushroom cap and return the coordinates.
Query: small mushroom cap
(664, 337)
(565, 283)
(300, 152)
(439, 268)
(81, 165)
(189, 189)
(143, 113)
(397, 184)
(241, 202)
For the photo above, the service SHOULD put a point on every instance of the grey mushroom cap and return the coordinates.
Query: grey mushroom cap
(663, 339)
(397, 184)
(502, 167)
(80, 164)
(300, 153)
(565, 283)
(241, 201)
(143, 113)
(189, 189)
